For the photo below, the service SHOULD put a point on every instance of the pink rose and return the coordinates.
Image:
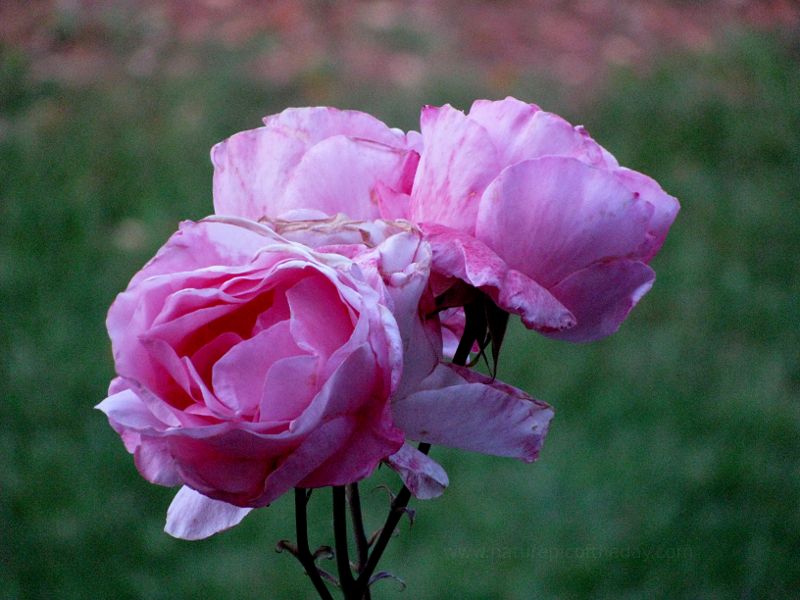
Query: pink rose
(314, 162)
(532, 211)
(249, 365)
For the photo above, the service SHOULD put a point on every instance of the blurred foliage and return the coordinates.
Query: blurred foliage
(671, 469)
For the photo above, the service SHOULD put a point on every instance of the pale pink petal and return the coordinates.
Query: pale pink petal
(552, 216)
(392, 204)
(251, 168)
(458, 162)
(314, 124)
(203, 244)
(601, 296)
(192, 516)
(342, 175)
(462, 409)
(422, 475)
(459, 255)
(125, 410)
(522, 131)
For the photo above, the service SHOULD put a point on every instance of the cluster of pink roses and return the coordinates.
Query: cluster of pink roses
(297, 337)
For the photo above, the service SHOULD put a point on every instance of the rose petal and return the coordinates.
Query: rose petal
(462, 409)
(456, 254)
(192, 516)
(521, 131)
(601, 296)
(238, 377)
(342, 175)
(552, 216)
(422, 475)
(458, 162)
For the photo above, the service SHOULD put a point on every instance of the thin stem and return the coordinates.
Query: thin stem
(303, 552)
(340, 537)
(362, 547)
(398, 506)
(395, 513)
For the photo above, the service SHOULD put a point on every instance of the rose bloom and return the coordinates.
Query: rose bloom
(532, 211)
(250, 364)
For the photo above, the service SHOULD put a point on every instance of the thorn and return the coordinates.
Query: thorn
(325, 552)
(288, 547)
(386, 488)
(325, 575)
(374, 536)
(411, 514)
(387, 575)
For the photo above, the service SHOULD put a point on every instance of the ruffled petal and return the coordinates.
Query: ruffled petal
(316, 123)
(459, 255)
(192, 516)
(250, 168)
(458, 162)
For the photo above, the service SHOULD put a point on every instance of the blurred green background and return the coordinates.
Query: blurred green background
(672, 468)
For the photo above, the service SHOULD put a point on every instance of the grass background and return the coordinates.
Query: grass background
(671, 469)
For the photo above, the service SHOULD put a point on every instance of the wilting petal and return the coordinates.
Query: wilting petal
(601, 296)
(456, 254)
(458, 162)
(192, 516)
(422, 475)
(552, 216)
(462, 409)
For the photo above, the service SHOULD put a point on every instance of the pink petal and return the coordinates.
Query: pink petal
(342, 175)
(289, 387)
(458, 162)
(250, 167)
(314, 124)
(552, 216)
(192, 516)
(462, 409)
(422, 475)
(319, 322)
(456, 254)
(522, 131)
(324, 441)
(238, 377)
(128, 415)
(601, 296)
(665, 208)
